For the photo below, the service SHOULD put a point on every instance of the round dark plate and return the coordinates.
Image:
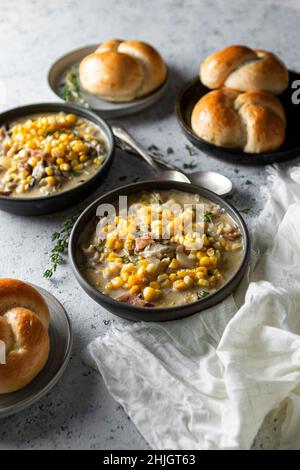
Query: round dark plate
(131, 312)
(107, 109)
(194, 90)
(61, 200)
(60, 334)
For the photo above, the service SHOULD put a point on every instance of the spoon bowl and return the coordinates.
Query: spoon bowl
(211, 180)
(219, 184)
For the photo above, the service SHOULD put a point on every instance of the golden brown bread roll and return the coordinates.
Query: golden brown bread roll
(253, 121)
(121, 71)
(24, 321)
(244, 69)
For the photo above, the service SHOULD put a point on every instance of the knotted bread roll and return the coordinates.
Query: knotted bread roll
(121, 71)
(24, 321)
(253, 121)
(244, 69)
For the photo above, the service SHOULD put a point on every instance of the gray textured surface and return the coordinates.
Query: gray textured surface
(78, 413)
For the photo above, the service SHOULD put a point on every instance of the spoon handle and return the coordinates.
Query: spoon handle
(123, 146)
(125, 137)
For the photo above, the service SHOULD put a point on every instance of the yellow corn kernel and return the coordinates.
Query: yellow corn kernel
(118, 245)
(140, 274)
(78, 146)
(203, 283)
(162, 277)
(128, 244)
(200, 255)
(49, 171)
(135, 289)
(174, 264)
(181, 273)
(149, 293)
(199, 276)
(56, 152)
(205, 261)
(188, 281)
(71, 118)
(33, 161)
(132, 280)
(83, 158)
(179, 285)
(152, 268)
(125, 276)
(166, 284)
(202, 269)
(205, 239)
(50, 180)
(172, 277)
(59, 161)
(110, 242)
(155, 284)
(116, 282)
(28, 179)
(129, 267)
(65, 167)
(143, 262)
(111, 257)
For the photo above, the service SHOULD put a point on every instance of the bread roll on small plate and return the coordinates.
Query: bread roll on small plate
(263, 118)
(253, 122)
(244, 69)
(37, 339)
(117, 78)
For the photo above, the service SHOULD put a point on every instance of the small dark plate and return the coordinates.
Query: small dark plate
(47, 204)
(131, 312)
(194, 90)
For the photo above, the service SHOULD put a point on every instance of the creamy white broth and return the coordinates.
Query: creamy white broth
(44, 154)
(104, 267)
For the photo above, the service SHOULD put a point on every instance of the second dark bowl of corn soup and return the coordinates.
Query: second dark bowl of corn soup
(52, 155)
(159, 250)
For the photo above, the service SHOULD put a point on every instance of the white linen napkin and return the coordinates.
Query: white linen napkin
(208, 381)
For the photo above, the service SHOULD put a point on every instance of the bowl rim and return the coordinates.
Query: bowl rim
(98, 121)
(228, 151)
(146, 185)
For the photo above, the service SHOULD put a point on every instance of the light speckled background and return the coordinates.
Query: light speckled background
(79, 413)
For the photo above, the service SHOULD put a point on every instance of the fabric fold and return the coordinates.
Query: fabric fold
(209, 381)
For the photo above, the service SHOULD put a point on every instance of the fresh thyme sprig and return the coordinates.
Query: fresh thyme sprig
(207, 217)
(60, 240)
(71, 90)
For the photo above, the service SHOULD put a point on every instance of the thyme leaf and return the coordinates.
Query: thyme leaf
(245, 211)
(189, 166)
(61, 241)
(71, 90)
(207, 217)
(191, 150)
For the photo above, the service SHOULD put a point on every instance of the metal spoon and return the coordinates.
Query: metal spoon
(216, 182)
(171, 174)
